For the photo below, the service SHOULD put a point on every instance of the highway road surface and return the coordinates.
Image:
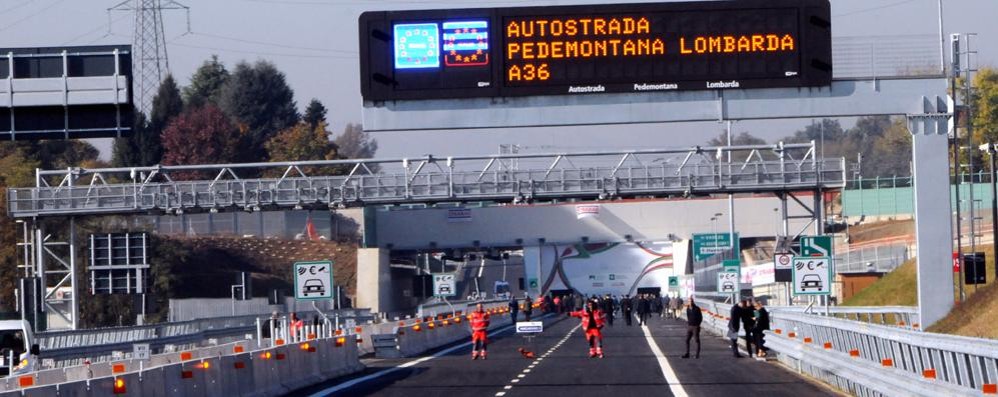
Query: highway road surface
(639, 361)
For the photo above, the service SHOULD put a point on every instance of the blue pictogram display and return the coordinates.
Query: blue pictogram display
(417, 46)
(466, 43)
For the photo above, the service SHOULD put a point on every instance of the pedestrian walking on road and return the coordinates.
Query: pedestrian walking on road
(693, 320)
(528, 307)
(607, 308)
(514, 308)
(295, 326)
(592, 323)
(734, 322)
(557, 304)
(676, 304)
(479, 333)
(666, 309)
(626, 309)
(761, 317)
(748, 324)
(643, 310)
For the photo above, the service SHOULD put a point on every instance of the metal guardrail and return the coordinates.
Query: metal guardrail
(697, 170)
(920, 363)
(880, 259)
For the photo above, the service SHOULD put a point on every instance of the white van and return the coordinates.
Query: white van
(18, 351)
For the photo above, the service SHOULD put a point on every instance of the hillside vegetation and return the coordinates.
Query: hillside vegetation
(974, 317)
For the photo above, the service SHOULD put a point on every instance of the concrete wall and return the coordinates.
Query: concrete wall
(374, 280)
(652, 220)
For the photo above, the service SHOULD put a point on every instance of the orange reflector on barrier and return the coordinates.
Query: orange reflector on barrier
(340, 341)
(239, 365)
(303, 346)
(792, 335)
(186, 374)
(237, 349)
(310, 337)
(457, 319)
(854, 353)
(446, 322)
(26, 381)
(929, 373)
(280, 342)
(266, 355)
(990, 388)
(119, 386)
(828, 345)
(184, 356)
(431, 325)
(887, 362)
(778, 331)
(117, 368)
(358, 330)
(416, 327)
(339, 332)
(808, 339)
(915, 325)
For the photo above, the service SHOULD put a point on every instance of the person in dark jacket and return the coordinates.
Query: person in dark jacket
(514, 308)
(626, 308)
(734, 324)
(528, 307)
(761, 317)
(643, 310)
(747, 323)
(607, 306)
(693, 320)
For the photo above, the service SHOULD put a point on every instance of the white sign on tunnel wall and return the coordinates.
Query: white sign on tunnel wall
(583, 211)
(313, 280)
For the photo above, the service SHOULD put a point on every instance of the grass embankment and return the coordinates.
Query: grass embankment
(975, 317)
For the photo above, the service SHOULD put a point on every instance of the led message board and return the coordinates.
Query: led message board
(496, 52)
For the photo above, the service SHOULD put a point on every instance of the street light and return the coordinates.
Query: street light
(991, 149)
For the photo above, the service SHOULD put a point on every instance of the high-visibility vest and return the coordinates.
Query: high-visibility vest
(479, 321)
(584, 315)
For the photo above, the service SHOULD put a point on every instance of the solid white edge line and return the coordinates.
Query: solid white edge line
(354, 382)
(670, 377)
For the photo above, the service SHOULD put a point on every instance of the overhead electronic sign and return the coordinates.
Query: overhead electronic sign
(585, 49)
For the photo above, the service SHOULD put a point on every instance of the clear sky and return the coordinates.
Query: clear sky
(314, 42)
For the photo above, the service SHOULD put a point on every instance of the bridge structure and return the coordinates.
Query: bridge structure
(779, 169)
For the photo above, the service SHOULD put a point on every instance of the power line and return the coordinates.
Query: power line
(262, 53)
(15, 7)
(874, 8)
(32, 15)
(236, 39)
(106, 25)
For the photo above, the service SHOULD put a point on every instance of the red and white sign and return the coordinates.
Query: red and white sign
(956, 262)
(758, 275)
(586, 211)
(783, 261)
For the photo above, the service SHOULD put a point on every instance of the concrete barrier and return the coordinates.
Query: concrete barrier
(415, 339)
(215, 372)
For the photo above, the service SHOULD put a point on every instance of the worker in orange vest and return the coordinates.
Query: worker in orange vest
(592, 323)
(479, 332)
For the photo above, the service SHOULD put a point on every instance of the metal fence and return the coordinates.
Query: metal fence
(863, 357)
(880, 259)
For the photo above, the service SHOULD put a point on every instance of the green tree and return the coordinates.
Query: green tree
(985, 112)
(891, 152)
(259, 99)
(125, 151)
(315, 113)
(303, 143)
(16, 169)
(206, 83)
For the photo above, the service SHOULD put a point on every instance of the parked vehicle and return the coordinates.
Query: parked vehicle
(18, 351)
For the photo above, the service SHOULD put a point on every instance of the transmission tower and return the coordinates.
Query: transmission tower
(150, 63)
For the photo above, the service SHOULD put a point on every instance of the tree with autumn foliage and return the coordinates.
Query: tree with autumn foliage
(303, 143)
(202, 135)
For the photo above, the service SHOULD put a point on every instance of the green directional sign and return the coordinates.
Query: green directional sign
(673, 283)
(732, 266)
(706, 245)
(816, 246)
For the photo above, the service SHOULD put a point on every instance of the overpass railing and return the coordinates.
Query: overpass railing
(869, 359)
(510, 177)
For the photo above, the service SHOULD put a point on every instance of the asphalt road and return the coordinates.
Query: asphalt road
(631, 367)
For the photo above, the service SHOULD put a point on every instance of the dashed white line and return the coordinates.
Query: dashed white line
(537, 361)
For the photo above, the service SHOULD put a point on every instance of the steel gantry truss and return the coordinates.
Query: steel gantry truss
(429, 179)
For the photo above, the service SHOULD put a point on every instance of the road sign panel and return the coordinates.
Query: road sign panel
(673, 283)
(816, 246)
(529, 327)
(444, 284)
(732, 265)
(140, 351)
(727, 282)
(313, 280)
(812, 275)
(783, 260)
(706, 245)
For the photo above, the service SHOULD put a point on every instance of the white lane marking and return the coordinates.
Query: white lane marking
(521, 376)
(515, 380)
(526, 371)
(529, 367)
(670, 376)
(507, 387)
(354, 382)
(500, 394)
